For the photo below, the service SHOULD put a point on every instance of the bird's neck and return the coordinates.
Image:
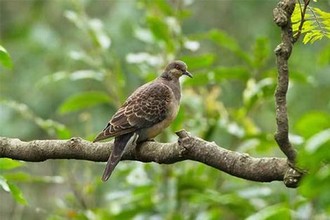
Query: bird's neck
(166, 76)
(173, 83)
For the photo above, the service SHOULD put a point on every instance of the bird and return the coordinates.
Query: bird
(145, 114)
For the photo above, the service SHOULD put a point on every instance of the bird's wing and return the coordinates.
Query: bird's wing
(147, 106)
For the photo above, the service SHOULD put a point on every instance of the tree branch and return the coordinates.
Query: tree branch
(187, 148)
(282, 17)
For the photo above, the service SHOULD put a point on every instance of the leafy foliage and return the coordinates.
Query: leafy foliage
(7, 185)
(316, 23)
(83, 100)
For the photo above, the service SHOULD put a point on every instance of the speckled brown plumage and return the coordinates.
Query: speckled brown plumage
(149, 110)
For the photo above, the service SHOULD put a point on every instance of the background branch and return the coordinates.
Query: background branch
(187, 148)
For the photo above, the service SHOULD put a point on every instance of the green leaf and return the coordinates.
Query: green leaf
(312, 122)
(316, 24)
(324, 56)
(75, 19)
(197, 62)
(261, 51)
(98, 34)
(319, 177)
(300, 77)
(254, 90)
(224, 40)
(5, 59)
(83, 100)
(92, 27)
(18, 176)
(74, 76)
(236, 72)
(8, 164)
(158, 28)
(278, 211)
(4, 184)
(62, 132)
(28, 178)
(161, 7)
(316, 141)
(17, 194)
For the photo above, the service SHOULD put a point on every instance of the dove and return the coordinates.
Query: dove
(146, 113)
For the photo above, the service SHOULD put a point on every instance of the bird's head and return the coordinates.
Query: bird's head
(176, 69)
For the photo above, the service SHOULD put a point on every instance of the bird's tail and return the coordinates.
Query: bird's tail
(117, 152)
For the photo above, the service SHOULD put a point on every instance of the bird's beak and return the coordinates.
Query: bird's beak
(187, 74)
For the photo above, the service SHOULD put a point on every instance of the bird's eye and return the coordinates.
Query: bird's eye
(178, 67)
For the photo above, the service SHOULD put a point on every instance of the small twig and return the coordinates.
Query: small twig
(302, 20)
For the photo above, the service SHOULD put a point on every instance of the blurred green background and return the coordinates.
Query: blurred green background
(73, 64)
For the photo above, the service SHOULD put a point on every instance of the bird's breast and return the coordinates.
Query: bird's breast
(156, 129)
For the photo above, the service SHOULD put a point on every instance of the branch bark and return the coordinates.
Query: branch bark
(241, 165)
